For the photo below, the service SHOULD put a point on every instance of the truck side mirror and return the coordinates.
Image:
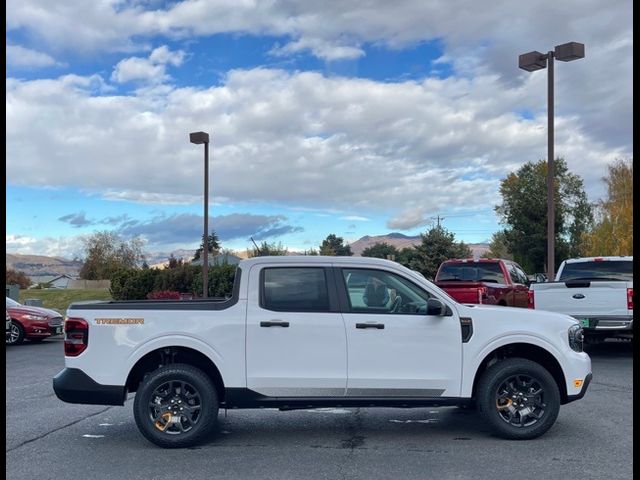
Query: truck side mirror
(436, 307)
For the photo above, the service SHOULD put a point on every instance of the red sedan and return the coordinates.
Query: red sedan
(32, 323)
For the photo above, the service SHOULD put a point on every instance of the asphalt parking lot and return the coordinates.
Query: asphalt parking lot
(48, 439)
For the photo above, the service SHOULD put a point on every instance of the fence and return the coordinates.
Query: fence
(89, 284)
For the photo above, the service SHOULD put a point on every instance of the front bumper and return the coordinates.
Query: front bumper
(72, 385)
(42, 329)
(598, 324)
(585, 385)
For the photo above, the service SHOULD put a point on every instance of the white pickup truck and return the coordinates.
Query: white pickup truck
(307, 332)
(597, 291)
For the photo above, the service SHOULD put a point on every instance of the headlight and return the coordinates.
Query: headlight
(576, 337)
(37, 318)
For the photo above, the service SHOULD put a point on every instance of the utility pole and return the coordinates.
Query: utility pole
(437, 219)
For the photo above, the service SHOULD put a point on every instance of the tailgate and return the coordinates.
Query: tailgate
(586, 299)
(462, 292)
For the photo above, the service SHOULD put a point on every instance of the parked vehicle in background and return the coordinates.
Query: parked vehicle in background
(313, 331)
(598, 291)
(537, 278)
(490, 281)
(8, 324)
(32, 323)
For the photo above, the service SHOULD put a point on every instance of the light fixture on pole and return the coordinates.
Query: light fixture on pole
(199, 138)
(531, 62)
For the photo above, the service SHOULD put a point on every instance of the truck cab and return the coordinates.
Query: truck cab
(490, 281)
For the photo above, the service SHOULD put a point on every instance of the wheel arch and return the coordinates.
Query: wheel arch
(529, 351)
(168, 355)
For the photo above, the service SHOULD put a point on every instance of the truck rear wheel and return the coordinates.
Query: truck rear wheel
(518, 398)
(176, 406)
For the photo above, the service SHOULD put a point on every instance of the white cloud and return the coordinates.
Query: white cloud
(326, 50)
(330, 143)
(19, 56)
(149, 70)
(332, 29)
(355, 218)
(66, 247)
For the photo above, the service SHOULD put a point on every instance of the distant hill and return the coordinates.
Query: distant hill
(401, 241)
(160, 259)
(40, 265)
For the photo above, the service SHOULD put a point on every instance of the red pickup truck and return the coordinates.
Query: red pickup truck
(491, 281)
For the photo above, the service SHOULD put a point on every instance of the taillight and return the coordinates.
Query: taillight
(629, 298)
(76, 336)
(530, 299)
(482, 294)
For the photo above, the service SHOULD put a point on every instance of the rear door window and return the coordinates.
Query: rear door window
(293, 289)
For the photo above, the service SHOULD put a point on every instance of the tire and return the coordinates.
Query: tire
(16, 334)
(503, 414)
(183, 384)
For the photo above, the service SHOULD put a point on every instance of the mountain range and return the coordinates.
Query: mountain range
(401, 241)
(40, 265)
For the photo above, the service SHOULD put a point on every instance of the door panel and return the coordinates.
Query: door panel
(294, 353)
(408, 353)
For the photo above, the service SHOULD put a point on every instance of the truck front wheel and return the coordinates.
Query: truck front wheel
(176, 406)
(518, 398)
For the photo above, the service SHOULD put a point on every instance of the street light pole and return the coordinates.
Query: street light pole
(551, 211)
(205, 256)
(531, 62)
(199, 138)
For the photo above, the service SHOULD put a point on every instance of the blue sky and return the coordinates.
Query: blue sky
(349, 119)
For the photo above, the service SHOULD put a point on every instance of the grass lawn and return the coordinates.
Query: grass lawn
(60, 299)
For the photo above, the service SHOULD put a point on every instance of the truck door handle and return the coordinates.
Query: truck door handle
(379, 326)
(275, 323)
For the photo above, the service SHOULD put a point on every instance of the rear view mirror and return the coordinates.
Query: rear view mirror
(436, 307)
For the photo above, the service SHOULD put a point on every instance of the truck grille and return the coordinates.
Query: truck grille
(55, 322)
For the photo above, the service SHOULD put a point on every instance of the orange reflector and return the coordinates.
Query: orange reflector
(577, 383)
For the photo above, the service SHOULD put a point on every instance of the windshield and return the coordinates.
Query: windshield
(602, 270)
(471, 272)
(12, 303)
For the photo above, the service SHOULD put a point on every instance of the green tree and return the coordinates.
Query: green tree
(213, 243)
(174, 262)
(105, 253)
(437, 246)
(267, 249)
(524, 213)
(498, 247)
(334, 246)
(381, 250)
(613, 231)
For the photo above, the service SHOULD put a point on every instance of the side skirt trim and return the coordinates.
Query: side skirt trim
(246, 398)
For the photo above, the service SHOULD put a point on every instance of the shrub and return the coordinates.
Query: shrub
(136, 284)
(15, 277)
(164, 295)
(220, 281)
(132, 284)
